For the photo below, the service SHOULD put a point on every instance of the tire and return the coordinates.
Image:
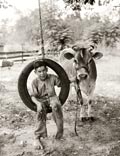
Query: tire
(22, 83)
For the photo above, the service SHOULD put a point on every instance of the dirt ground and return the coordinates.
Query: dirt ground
(98, 138)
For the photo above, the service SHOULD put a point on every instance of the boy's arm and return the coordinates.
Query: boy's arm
(57, 81)
(34, 95)
(72, 79)
(38, 103)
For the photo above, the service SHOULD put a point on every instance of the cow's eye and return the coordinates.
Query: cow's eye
(75, 61)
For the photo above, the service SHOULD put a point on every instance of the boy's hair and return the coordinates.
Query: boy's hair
(39, 63)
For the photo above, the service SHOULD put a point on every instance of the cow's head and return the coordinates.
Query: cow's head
(82, 58)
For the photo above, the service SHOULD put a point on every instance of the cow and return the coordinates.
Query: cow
(79, 64)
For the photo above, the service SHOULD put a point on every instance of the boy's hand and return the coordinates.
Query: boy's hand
(38, 103)
(39, 107)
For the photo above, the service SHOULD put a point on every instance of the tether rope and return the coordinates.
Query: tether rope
(78, 105)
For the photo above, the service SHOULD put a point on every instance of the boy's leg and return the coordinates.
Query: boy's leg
(57, 115)
(41, 130)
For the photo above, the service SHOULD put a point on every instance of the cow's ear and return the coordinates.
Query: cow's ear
(97, 55)
(68, 56)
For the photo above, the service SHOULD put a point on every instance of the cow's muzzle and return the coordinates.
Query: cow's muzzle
(82, 73)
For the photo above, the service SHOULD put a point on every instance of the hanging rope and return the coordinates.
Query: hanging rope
(78, 105)
(41, 31)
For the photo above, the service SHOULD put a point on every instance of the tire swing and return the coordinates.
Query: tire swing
(22, 81)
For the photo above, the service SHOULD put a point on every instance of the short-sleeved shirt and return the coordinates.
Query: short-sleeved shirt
(42, 89)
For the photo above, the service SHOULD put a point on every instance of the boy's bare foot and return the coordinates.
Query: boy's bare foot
(38, 145)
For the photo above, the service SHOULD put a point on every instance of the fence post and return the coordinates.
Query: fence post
(22, 57)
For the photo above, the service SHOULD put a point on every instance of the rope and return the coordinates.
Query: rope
(76, 117)
(79, 101)
(41, 31)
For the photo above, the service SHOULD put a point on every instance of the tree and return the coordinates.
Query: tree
(57, 32)
(4, 4)
(99, 32)
(59, 36)
(20, 32)
(76, 4)
(3, 31)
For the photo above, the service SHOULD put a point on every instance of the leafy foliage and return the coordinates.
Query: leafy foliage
(59, 35)
(106, 32)
(55, 30)
(3, 31)
(4, 4)
(76, 4)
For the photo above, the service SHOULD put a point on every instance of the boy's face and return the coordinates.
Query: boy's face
(41, 72)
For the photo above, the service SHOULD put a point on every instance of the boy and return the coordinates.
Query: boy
(45, 98)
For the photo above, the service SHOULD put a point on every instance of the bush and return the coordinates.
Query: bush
(106, 32)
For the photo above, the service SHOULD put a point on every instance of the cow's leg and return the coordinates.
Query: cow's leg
(83, 114)
(90, 112)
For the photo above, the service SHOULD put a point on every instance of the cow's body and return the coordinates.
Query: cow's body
(79, 64)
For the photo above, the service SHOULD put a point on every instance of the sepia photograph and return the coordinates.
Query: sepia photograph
(59, 78)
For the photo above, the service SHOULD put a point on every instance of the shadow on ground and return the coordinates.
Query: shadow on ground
(98, 138)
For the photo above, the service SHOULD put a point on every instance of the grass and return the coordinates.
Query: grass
(100, 138)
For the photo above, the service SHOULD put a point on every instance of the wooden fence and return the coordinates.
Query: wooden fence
(22, 55)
